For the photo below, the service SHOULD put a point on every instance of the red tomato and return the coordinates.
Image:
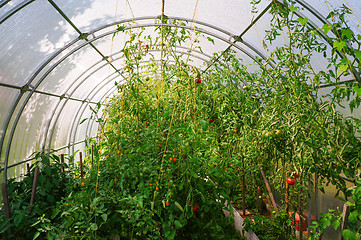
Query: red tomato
(291, 181)
(195, 208)
(164, 135)
(235, 131)
(167, 204)
(174, 159)
(295, 175)
(211, 120)
(145, 124)
(198, 80)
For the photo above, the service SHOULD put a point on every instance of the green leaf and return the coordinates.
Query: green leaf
(178, 206)
(120, 28)
(336, 224)
(347, 32)
(303, 21)
(177, 224)
(172, 234)
(327, 28)
(18, 218)
(126, 53)
(339, 45)
(358, 54)
(83, 120)
(353, 218)
(342, 68)
(36, 235)
(204, 124)
(210, 39)
(293, 9)
(357, 90)
(348, 235)
(104, 217)
(93, 227)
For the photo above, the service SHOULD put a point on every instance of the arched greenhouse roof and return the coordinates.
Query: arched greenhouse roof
(59, 58)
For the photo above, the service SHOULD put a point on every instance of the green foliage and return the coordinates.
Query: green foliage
(353, 230)
(175, 142)
(28, 222)
(278, 226)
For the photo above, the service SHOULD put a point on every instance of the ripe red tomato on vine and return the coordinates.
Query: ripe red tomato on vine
(291, 181)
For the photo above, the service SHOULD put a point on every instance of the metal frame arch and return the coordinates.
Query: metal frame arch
(20, 95)
(69, 95)
(86, 78)
(84, 44)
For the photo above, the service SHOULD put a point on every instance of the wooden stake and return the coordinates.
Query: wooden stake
(269, 190)
(81, 164)
(35, 182)
(92, 154)
(62, 162)
(287, 195)
(300, 214)
(243, 190)
(258, 204)
(345, 214)
(4, 188)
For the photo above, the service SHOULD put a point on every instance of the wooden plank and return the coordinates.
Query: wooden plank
(345, 215)
(35, 182)
(269, 190)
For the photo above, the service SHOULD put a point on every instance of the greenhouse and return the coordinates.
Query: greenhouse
(188, 119)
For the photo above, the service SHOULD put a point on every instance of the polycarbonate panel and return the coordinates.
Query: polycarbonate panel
(7, 98)
(62, 127)
(28, 37)
(99, 93)
(89, 15)
(11, 123)
(30, 128)
(344, 110)
(80, 131)
(107, 79)
(244, 59)
(64, 75)
(229, 15)
(256, 34)
(324, 8)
